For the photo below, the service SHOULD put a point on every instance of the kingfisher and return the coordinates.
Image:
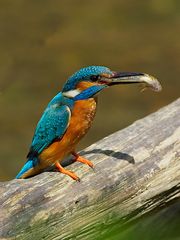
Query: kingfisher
(69, 115)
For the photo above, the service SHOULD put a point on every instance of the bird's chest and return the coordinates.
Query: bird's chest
(82, 117)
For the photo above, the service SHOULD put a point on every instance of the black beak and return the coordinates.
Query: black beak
(125, 77)
(133, 77)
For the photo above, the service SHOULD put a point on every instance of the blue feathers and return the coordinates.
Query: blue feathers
(84, 74)
(89, 92)
(28, 165)
(51, 126)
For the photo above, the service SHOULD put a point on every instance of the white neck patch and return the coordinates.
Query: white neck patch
(72, 93)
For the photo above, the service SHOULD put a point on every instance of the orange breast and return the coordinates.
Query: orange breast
(81, 119)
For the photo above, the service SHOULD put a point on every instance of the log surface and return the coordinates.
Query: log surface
(136, 171)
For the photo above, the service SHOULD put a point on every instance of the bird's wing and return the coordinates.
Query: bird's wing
(51, 126)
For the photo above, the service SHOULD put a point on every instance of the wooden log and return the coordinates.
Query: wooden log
(136, 171)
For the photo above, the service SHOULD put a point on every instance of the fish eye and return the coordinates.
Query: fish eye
(95, 78)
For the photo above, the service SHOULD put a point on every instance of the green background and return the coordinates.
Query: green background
(42, 42)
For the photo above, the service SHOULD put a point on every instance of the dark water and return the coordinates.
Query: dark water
(161, 224)
(43, 42)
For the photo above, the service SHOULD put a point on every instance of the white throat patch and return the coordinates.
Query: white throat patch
(71, 93)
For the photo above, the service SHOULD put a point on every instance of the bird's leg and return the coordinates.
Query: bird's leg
(82, 160)
(67, 172)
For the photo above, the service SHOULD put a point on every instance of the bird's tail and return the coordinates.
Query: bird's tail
(27, 166)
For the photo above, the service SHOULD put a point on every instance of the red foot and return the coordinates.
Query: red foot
(82, 160)
(67, 172)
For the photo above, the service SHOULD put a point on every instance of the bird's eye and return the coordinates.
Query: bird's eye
(95, 78)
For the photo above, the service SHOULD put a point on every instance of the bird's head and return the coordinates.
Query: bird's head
(89, 80)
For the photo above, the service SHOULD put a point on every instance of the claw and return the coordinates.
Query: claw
(83, 160)
(67, 172)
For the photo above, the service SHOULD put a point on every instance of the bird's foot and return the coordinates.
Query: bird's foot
(82, 160)
(67, 172)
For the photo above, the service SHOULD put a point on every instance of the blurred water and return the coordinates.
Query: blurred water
(160, 224)
(43, 42)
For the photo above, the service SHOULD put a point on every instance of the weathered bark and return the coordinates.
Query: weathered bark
(136, 171)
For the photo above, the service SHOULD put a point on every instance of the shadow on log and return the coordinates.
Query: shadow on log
(136, 172)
